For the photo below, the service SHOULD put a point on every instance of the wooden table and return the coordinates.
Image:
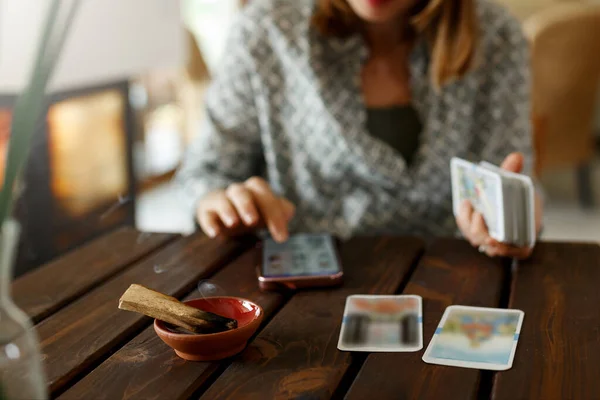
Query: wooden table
(92, 350)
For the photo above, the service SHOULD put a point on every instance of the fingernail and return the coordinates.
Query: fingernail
(280, 235)
(229, 221)
(289, 216)
(211, 232)
(249, 218)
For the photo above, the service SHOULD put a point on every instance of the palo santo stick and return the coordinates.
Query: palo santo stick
(166, 308)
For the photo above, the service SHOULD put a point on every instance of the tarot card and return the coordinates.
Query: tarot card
(523, 209)
(483, 188)
(528, 212)
(382, 324)
(476, 337)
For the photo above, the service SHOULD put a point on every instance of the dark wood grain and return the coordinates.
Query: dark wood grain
(558, 354)
(47, 289)
(451, 272)
(296, 355)
(80, 335)
(146, 368)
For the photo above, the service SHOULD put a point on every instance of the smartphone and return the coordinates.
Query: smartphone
(305, 260)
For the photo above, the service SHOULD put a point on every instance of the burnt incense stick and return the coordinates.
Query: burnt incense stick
(145, 301)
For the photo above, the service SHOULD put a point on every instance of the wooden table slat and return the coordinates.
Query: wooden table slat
(79, 335)
(49, 288)
(558, 354)
(296, 355)
(450, 273)
(146, 368)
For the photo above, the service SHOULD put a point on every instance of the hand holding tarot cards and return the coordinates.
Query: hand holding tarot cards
(505, 199)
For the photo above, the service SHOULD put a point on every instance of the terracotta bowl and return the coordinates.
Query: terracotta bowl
(215, 346)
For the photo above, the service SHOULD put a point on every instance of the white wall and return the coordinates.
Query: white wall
(210, 22)
(109, 40)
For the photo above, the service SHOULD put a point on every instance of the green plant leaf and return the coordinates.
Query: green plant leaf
(31, 105)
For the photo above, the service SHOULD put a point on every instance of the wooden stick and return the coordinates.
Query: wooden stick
(145, 301)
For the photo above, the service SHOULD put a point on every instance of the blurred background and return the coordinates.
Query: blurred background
(127, 99)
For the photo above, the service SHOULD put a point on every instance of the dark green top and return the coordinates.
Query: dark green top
(398, 126)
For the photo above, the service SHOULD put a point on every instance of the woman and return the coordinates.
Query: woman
(342, 116)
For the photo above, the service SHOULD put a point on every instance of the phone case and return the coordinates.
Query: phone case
(298, 282)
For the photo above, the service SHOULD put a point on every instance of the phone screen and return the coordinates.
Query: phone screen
(301, 255)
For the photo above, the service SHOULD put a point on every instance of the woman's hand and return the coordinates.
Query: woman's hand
(473, 227)
(245, 207)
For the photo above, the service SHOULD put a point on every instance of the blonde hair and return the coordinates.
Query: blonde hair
(449, 26)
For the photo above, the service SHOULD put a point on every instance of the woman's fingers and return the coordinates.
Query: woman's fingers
(209, 221)
(226, 212)
(472, 224)
(217, 215)
(492, 247)
(511, 252)
(513, 162)
(288, 208)
(243, 201)
(478, 229)
(497, 249)
(270, 208)
(243, 207)
(463, 220)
